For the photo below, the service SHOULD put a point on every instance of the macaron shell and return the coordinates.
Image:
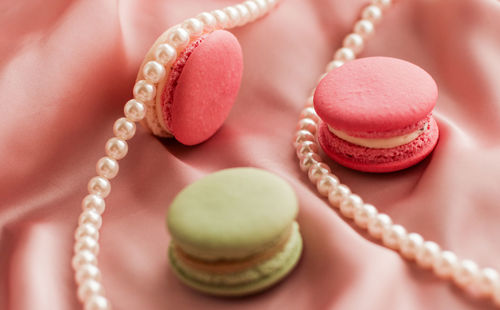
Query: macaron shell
(206, 89)
(375, 95)
(378, 160)
(232, 214)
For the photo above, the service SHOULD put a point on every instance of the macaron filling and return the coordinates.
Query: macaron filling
(380, 143)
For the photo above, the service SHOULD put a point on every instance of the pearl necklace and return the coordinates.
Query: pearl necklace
(88, 277)
(466, 274)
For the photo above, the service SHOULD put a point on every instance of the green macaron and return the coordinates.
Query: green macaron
(234, 232)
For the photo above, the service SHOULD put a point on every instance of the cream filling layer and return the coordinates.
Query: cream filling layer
(380, 143)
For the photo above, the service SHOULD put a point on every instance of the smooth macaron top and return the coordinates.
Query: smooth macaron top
(374, 96)
(232, 214)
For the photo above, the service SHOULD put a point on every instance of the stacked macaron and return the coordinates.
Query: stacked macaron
(376, 114)
(234, 232)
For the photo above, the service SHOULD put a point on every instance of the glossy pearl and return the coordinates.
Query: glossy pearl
(83, 258)
(86, 272)
(144, 91)
(303, 135)
(307, 124)
(262, 4)
(344, 54)
(97, 302)
(87, 229)
(309, 113)
(465, 272)
(244, 14)
(427, 254)
(308, 160)
(233, 15)
(193, 26)
(487, 282)
(153, 71)
(350, 204)
(354, 42)
(393, 235)
(316, 171)
(107, 167)
(307, 147)
(123, 128)
(93, 202)
(326, 184)
(88, 288)
(334, 65)
(134, 110)
(165, 54)
(208, 20)
(91, 217)
(378, 224)
(411, 245)
(178, 38)
(116, 148)
(222, 19)
(310, 101)
(364, 214)
(372, 13)
(87, 243)
(364, 28)
(253, 9)
(383, 4)
(99, 186)
(445, 264)
(339, 194)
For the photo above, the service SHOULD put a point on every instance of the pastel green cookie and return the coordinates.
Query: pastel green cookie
(234, 232)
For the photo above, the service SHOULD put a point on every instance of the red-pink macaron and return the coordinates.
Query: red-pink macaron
(199, 88)
(376, 114)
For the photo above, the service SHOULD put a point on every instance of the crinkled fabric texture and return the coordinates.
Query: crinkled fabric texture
(67, 68)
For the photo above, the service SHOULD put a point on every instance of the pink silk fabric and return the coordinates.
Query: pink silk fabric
(68, 67)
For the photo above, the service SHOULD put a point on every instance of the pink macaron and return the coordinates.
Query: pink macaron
(376, 114)
(197, 93)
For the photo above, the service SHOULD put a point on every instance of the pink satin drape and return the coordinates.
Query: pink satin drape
(67, 68)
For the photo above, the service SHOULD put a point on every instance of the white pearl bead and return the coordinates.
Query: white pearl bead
(88, 288)
(99, 186)
(378, 224)
(339, 194)
(393, 235)
(123, 128)
(310, 101)
(326, 184)
(355, 42)
(427, 254)
(234, 16)
(307, 147)
(153, 71)
(411, 245)
(308, 160)
(87, 243)
(116, 148)
(383, 4)
(465, 272)
(364, 28)
(91, 217)
(87, 229)
(165, 54)
(262, 4)
(316, 171)
(208, 20)
(86, 272)
(144, 91)
(344, 54)
(307, 124)
(487, 282)
(83, 258)
(93, 202)
(178, 38)
(134, 110)
(350, 204)
(445, 264)
(97, 302)
(372, 13)
(364, 214)
(193, 26)
(253, 9)
(222, 18)
(334, 65)
(303, 135)
(309, 113)
(244, 14)
(107, 167)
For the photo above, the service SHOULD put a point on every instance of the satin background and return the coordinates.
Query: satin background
(68, 67)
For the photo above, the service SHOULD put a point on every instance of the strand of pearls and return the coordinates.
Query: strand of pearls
(86, 247)
(465, 273)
